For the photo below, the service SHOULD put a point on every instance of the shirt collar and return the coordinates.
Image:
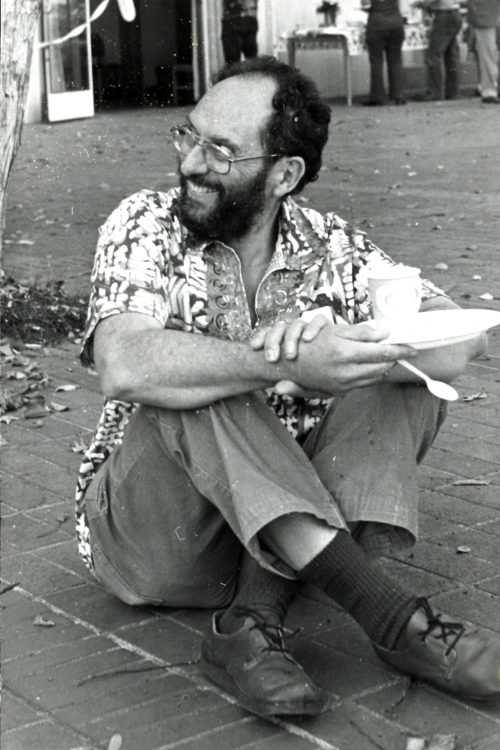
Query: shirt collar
(299, 243)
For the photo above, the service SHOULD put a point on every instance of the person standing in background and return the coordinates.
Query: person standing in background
(443, 53)
(384, 35)
(239, 29)
(484, 16)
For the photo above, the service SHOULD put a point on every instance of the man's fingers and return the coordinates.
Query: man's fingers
(312, 328)
(273, 341)
(293, 335)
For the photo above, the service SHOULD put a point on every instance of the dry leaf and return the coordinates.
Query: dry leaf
(58, 407)
(43, 622)
(68, 387)
(7, 418)
(475, 396)
(115, 742)
(415, 743)
(79, 446)
(442, 742)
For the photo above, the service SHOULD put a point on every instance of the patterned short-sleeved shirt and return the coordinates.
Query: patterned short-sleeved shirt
(147, 262)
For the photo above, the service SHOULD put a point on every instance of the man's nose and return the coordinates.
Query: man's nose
(194, 162)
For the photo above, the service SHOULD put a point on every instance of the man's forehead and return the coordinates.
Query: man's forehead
(239, 106)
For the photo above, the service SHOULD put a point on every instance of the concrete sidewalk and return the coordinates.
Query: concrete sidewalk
(78, 666)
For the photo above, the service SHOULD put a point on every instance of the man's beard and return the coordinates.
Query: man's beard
(233, 213)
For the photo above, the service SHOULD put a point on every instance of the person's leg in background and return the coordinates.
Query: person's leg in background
(452, 58)
(438, 41)
(231, 43)
(394, 59)
(375, 41)
(247, 28)
(487, 54)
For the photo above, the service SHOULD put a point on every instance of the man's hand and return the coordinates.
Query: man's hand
(284, 338)
(327, 359)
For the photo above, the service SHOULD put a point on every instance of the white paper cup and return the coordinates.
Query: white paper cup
(395, 292)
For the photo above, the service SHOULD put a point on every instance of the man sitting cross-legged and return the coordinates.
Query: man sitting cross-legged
(234, 427)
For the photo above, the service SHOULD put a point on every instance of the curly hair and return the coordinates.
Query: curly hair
(299, 123)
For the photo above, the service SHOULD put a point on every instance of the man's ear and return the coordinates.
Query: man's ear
(289, 171)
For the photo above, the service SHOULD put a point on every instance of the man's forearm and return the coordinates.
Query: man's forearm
(176, 370)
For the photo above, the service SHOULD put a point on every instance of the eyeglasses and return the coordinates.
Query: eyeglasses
(217, 158)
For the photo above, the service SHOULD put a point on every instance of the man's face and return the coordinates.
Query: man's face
(233, 114)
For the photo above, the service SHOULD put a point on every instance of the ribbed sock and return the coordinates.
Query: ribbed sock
(343, 572)
(266, 593)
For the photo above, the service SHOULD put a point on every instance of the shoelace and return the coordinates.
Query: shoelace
(446, 629)
(273, 634)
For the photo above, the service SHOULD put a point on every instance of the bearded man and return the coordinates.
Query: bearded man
(237, 429)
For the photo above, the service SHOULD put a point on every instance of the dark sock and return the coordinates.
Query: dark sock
(266, 593)
(343, 572)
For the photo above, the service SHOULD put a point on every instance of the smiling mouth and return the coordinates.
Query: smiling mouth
(200, 189)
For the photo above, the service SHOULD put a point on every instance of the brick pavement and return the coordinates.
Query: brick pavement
(102, 668)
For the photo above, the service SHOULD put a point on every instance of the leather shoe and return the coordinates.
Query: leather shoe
(453, 656)
(253, 665)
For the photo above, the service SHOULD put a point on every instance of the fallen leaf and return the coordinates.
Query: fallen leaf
(476, 277)
(115, 742)
(7, 418)
(486, 295)
(58, 407)
(79, 446)
(43, 622)
(415, 743)
(475, 396)
(441, 266)
(442, 742)
(68, 387)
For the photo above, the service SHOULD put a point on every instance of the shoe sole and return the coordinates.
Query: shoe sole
(262, 708)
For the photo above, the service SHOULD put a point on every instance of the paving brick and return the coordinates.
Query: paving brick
(32, 571)
(16, 712)
(168, 699)
(166, 639)
(475, 605)
(482, 545)
(24, 495)
(24, 637)
(58, 685)
(343, 676)
(439, 505)
(426, 712)
(491, 584)
(38, 471)
(238, 735)
(206, 715)
(91, 603)
(355, 726)
(43, 735)
(24, 532)
(458, 464)
(435, 557)
(59, 451)
(485, 496)
(66, 555)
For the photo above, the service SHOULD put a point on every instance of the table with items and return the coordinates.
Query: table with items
(350, 39)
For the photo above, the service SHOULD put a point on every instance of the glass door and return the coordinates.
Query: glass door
(68, 65)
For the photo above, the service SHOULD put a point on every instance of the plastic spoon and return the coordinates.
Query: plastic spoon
(436, 387)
